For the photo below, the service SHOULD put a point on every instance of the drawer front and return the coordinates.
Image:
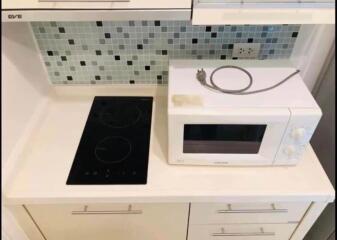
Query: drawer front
(241, 232)
(213, 213)
(111, 221)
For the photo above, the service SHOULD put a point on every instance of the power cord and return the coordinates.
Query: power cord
(201, 76)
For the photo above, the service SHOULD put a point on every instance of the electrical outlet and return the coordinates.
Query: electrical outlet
(246, 50)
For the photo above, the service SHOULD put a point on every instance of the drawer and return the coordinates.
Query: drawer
(241, 232)
(218, 213)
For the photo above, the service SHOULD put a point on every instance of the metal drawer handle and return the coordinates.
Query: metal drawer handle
(224, 234)
(273, 209)
(87, 212)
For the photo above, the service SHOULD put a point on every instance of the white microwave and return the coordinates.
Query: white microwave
(212, 128)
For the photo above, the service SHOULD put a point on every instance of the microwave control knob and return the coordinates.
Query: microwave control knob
(298, 133)
(290, 150)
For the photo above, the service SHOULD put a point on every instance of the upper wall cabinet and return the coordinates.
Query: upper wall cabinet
(218, 12)
(91, 10)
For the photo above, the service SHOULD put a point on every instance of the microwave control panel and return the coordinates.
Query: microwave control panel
(301, 127)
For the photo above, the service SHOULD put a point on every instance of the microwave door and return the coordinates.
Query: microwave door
(223, 138)
(233, 136)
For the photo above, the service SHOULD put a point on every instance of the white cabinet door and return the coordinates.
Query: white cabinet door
(111, 221)
(219, 12)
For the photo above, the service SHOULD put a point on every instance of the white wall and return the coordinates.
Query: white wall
(312, 47)
(23, 82)
(324, 145)
(23, 86)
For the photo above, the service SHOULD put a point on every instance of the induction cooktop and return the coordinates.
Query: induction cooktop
(114, 147)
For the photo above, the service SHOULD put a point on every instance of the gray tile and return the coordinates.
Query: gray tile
(146, 43)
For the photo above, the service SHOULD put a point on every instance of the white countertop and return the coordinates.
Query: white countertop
(44, 163)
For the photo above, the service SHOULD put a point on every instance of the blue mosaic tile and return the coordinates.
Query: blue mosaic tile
(137, 52)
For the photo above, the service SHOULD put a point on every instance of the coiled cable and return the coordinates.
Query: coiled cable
(201, 76)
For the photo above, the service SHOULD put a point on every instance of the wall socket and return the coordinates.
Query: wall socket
(246, 50)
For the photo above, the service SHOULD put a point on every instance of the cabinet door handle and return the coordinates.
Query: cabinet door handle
(85, 211)
(233, 234)
(243, 234)
(273, 209)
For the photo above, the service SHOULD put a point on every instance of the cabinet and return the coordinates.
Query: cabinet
(93, 10)
(94, 4)
(167, 221)
(217, 12)
(111, 221)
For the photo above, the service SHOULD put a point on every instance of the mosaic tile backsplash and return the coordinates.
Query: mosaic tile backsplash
(137, 52)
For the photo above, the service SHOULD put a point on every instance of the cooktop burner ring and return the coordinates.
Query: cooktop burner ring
(108, 151)
(116, 117)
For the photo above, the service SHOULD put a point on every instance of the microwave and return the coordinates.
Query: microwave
(212, 128)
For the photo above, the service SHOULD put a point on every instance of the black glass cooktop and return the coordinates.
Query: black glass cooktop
(114, 147)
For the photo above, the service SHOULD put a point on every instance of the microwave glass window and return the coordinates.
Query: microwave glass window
(220, 138)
